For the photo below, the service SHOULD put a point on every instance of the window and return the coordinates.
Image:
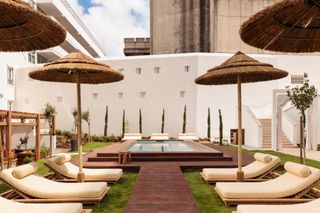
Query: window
(10, 75)
(182, 94)
(297, 79)
(142, 94)
(41, 59)
(95, 95)
(120, 95)
(138, 71)
(157, 70)
(32, 57)
(59, 99)
(186, 68)
(32, 3)
(10, 105)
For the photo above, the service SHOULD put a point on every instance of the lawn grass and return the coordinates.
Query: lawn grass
(118, 195)
(206, 198)
(94, 145)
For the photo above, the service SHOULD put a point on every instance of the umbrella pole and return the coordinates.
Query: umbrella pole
(240, 175)
(80, 174)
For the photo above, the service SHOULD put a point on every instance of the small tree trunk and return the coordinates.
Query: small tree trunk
(301, 138)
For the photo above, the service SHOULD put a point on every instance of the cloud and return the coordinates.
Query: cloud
(111, 21)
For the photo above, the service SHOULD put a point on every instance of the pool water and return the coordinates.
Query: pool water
(161, 146)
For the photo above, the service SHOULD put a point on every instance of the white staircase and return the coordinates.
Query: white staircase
(266, 136)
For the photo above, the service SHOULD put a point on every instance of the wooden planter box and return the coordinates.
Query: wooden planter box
(21, 155)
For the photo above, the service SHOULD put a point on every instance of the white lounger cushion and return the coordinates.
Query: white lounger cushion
(25, 170)
(62, 158)
(8, 206)
(283, 186)
(159, 136)
(188, 136)
(132, 136)
(252, 170)
(70, 170)
(41, 187)
(310, 207)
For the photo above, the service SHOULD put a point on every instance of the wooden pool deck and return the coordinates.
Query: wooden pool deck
(160, 186)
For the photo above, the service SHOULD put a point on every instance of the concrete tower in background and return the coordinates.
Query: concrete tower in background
(180, 26)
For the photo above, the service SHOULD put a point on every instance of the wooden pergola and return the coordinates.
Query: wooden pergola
(10, 119)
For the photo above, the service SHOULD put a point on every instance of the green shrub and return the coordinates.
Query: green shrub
(27, 160)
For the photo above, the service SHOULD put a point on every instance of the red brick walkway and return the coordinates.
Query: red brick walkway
(161, 188)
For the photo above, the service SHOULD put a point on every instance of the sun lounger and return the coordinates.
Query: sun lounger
(131, 136)
(159, 136)
(310, 207)
(290, 187)
(8, 206)
(32, 188)
(63, 170)
(258, 170)
(188, 136)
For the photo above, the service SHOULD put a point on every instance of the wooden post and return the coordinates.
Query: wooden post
(38, 137)
(8, 137)
(1, 149)
(80, 174)
(240, 175)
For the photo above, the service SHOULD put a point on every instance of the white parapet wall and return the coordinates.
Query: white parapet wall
(253, 128)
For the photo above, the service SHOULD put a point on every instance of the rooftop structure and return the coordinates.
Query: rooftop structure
(182, 26)
(136, 46)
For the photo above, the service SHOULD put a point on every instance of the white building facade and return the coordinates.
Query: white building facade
(154, 83)
(78, 38)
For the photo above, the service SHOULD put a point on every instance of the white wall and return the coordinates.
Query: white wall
(253, 128)
(162, 91)
(14, 60)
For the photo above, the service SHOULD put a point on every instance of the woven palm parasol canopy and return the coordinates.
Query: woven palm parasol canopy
(287, 26)
(238, 69)
(80, 69)
(23, 28)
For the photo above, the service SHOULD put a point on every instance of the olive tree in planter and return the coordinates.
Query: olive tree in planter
(123, 123)
(49, 111)
(302, 98)
(74, 113)
(86, 117)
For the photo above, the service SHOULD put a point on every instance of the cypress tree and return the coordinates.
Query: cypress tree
(123, 122)
(220, 127)
(140, 121)
(162, 121)
(105, 133)
(184, 119)
(209, 124)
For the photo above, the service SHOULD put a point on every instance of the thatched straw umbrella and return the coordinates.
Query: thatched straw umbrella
(80, 69)
(22, 28)
(287, 26)
(238, 69)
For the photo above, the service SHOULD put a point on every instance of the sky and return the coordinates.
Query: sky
(112, 20)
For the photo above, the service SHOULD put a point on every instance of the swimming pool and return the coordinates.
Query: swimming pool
(162, 146)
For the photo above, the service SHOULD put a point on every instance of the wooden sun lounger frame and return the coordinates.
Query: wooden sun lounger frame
(263, 177)
(308, 193)
(57, 176)
(17, 195)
